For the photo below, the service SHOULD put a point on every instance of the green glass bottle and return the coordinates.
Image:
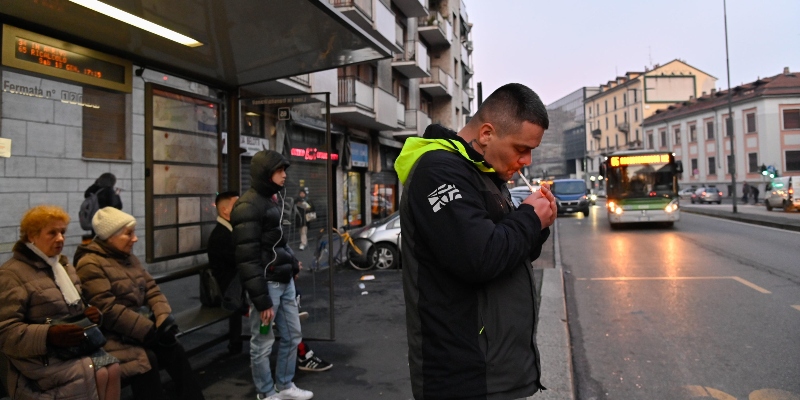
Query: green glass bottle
(264, 329)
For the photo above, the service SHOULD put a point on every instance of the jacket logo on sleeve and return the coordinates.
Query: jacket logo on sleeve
(443, 195)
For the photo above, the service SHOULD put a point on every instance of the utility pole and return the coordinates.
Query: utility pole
(729, 124)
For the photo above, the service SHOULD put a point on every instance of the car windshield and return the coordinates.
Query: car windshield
(386, 219)
(570, 187)
(640, 180)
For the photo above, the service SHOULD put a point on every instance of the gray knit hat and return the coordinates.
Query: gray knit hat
(108, 221)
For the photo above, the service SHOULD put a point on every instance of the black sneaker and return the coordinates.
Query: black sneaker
(313, 363)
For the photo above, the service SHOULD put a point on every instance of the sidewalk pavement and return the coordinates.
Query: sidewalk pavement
(370, 352)
(749, 213)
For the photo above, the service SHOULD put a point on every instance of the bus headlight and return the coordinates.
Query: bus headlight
(614, 208)
(618, 211)
(672, 206)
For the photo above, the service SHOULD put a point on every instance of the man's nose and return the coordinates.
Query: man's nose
(525, 159)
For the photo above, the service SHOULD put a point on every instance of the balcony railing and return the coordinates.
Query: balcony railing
(441, 77)
(414, 51)
(624, 127)
(301, 79)
(365, 6)
(597, 133)
(401, 113)
(353, 92)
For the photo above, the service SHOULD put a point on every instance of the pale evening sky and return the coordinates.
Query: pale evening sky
(558, 46)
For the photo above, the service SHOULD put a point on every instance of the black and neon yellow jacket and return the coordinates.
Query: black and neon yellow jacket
(468, 284)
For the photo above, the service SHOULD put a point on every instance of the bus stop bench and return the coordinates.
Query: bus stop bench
(199, 317)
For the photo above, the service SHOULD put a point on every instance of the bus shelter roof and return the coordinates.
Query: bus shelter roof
(244, 42)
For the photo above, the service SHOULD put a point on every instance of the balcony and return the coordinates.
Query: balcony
(412, 8)
(292, 85)
(465, 102)
(414, 61)
(597, 133)
(463, 12)
(377, 21)
(439, 84)
(365, 105)
(624, 127)
(436, 30)
(416, 123)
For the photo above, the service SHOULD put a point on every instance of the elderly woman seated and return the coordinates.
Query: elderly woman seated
(39, 288)
(137, 321)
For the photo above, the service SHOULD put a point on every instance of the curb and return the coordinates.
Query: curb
(739, 217)
(553, 340)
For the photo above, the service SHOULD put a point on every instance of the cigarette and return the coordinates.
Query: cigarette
(526, 181)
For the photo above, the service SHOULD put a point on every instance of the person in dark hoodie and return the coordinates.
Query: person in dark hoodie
(267, 267)
(107, 195)
(469, 289)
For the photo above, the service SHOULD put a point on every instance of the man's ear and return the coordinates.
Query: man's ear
(485, 133)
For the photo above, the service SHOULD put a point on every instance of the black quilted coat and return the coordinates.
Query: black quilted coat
(262, 254)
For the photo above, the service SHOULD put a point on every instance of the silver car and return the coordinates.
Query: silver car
(385, 234)
(707, 195)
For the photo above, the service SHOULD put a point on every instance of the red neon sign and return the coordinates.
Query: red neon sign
(311, 154)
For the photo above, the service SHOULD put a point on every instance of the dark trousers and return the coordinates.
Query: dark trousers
(147, 386)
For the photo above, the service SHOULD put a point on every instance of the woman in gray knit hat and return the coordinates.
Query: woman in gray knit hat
(138, 322)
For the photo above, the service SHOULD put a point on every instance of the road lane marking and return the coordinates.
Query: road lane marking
(705, 391)
(796, 308)
(748, 224)
(678, 278)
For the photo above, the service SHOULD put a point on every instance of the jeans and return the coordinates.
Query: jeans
(287, 323)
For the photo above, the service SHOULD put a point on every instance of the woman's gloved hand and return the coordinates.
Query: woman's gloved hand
(94, 314)
(66, 335)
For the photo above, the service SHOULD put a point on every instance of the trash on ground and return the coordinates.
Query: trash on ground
(364, 293)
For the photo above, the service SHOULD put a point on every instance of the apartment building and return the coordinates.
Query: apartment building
(614, 115)
(765, 126)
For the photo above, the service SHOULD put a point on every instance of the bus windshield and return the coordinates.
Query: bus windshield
(641, 180)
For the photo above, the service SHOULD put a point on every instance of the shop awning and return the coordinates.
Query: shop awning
(243, 41)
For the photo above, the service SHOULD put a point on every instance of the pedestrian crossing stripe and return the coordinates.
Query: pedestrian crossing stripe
(656, 278)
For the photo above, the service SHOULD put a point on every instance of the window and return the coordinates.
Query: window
(634, 96)
(678, 136)
(695, 171)
(364, 73)
(751, 122)
(615, 103)
(791, 119)
(606, 122)
(625, 116)
(692, 133)
(728, 127)
(710, 130)
(663, 138)
(635, 114)
(793, 160)
(637, 135)
(616, 140)
(650, 141)
(624, 99)
(615, 120)
(589, 111)
(598, 109)
(712, 165)
(607, 144)
(104, 129)
(606, 105)
(730, 163)
(752, 162)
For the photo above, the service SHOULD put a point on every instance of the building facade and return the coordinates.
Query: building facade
(766, 132)
(614, 115)
(563, 149)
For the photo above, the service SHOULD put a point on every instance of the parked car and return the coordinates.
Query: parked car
(686, 194)
(782, 195)
(571, 196)
(707, 194)
(385, 236)
(520, 193)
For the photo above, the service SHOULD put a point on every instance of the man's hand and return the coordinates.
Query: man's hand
(547, 193)
(542, 206)
(267, 316)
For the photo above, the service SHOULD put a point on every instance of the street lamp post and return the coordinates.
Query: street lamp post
(729, 124)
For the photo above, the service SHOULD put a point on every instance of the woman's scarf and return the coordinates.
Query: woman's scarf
(63, 281)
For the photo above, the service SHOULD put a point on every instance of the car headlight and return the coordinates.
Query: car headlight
(367, 233)
(593, 197)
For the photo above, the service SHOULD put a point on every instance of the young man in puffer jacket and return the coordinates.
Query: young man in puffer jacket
(266, 267)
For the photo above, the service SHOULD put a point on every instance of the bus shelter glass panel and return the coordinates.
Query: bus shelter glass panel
(297, 127)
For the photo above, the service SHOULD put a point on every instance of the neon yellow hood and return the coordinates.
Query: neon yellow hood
(414, 148)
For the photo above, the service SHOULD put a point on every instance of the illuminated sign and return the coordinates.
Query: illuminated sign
(637, 160)
(41, 54)
(311, 154)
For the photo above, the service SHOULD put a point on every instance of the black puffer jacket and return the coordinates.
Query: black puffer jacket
(262, 254)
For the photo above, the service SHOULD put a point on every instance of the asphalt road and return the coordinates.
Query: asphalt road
(709, 308)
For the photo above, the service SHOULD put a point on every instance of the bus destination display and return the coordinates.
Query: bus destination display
(65, 60)
(636, 160)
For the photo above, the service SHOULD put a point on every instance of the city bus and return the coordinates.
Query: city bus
(642, 186)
